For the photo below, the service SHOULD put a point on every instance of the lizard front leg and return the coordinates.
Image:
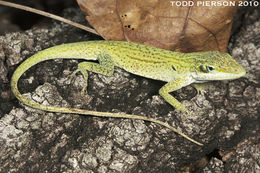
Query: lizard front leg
(173, 86)
(104, 67)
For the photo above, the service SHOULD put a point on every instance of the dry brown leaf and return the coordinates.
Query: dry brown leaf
(161, 24)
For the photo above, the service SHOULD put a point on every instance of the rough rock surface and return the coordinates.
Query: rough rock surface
(38, 141)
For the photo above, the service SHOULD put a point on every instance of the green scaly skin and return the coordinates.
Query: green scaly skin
(177, 69)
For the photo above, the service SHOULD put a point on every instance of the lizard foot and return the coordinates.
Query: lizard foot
(201, 88)
(85, 76)
(185, 111)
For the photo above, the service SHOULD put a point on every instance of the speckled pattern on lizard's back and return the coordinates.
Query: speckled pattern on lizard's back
(177, 69)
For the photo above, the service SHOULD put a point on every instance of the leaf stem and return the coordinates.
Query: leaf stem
(46, 14)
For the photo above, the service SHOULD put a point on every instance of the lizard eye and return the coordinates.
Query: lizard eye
(210, 68)
(206, 69)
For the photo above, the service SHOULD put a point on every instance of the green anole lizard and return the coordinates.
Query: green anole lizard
(177, 69)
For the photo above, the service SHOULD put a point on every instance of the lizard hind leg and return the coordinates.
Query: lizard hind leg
(104, 67)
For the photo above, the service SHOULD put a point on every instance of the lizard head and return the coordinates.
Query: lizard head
(215, 65)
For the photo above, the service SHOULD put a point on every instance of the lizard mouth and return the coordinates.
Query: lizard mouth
(240, 72)
(201, 78)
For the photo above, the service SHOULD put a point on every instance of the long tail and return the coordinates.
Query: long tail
(71, 51)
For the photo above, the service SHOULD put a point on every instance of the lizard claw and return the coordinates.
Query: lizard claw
(187, 113)
(83, 90)
(85, 76)
(201, 88)
(191, 113)
(73, 74)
